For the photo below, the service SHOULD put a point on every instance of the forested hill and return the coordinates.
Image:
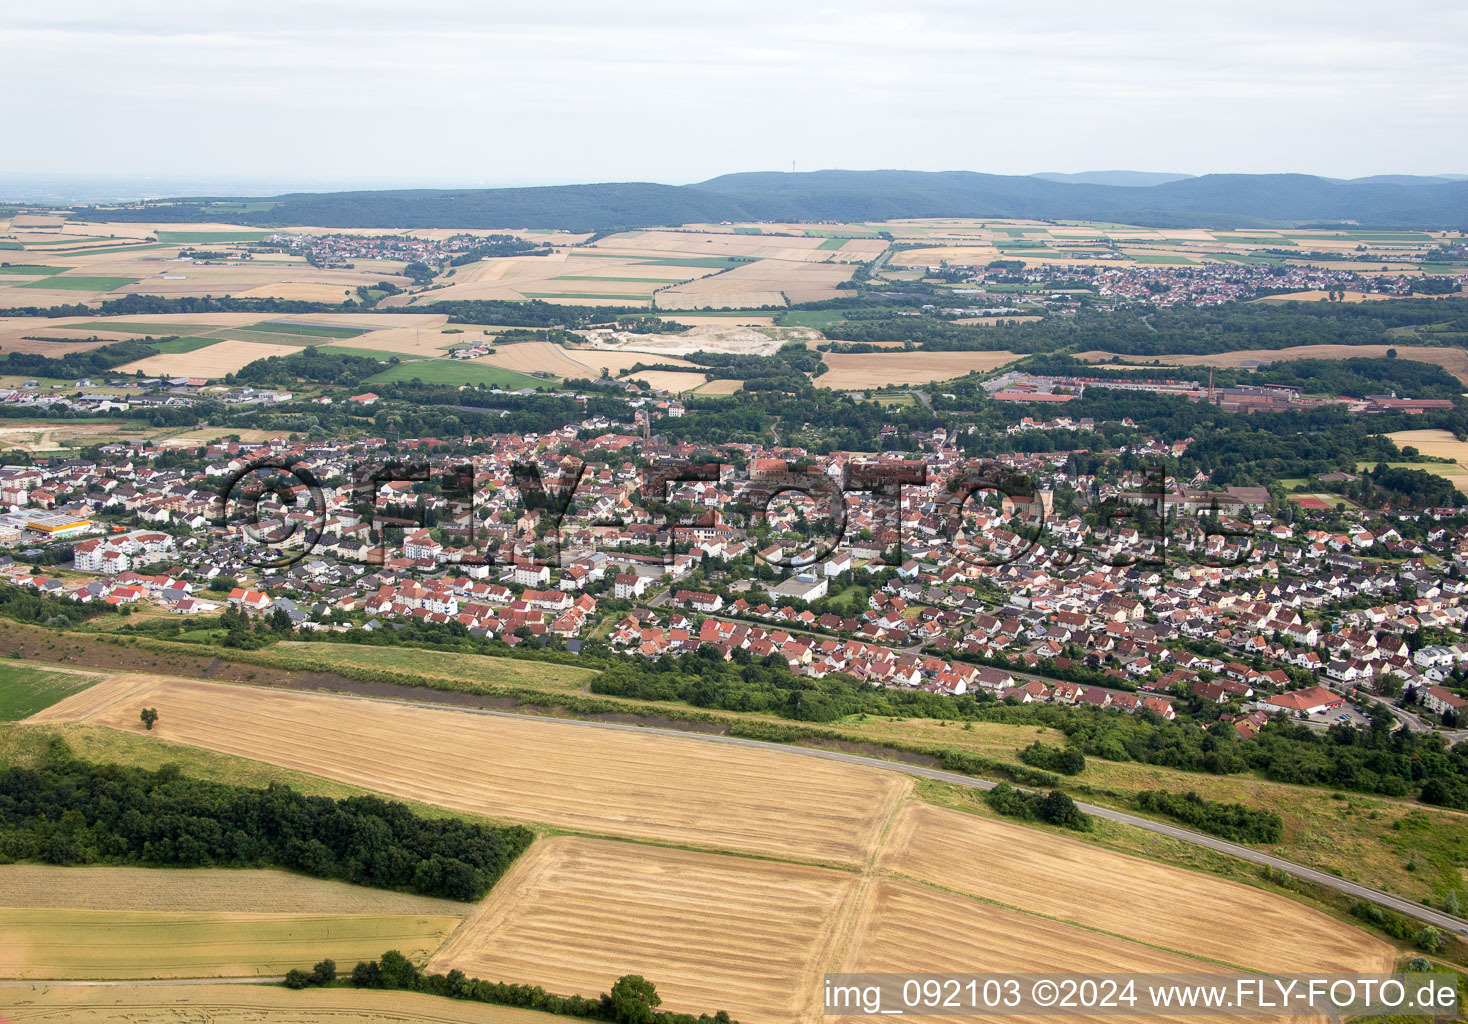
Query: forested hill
(1214, 200)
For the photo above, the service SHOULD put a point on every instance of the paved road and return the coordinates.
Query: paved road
(1397, 903)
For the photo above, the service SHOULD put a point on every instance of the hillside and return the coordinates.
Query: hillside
(1214, 200)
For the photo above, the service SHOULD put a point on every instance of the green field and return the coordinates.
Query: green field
(624, 280)
(370, 353)
(476, 668)
(211, 236)
(1159, 258)
(103, 944)
(835, 242)
(307, 330)
(80, 284)
(25, 690)
(458, 371)
(32, 270)
(190, 344)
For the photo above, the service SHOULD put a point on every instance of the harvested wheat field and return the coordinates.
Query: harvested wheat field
(1439, 443)
(765, 283)
(877, 369)
(213, 361)
(904, 926)
(51, 943)
(713, 932)
(538, 356)
(610, 782)
(1454, 360)
(720, 387)
(245, 1004)
(668, 380)
(41, 886)
(1152, 903)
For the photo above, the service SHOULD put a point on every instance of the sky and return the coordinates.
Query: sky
(322, 93)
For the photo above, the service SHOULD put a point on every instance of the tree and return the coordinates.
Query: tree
(633, 999)
(324, 973)
(148, 717)
(1450, 902)
(297, 978)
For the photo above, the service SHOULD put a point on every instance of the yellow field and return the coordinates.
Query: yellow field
(1152, 903)
(1439, 443)
(536, 356)
(607, 782)
(876, 369)
(1453, 360)
(56, 944)
(712, 932)
(245, 1004)
(765, 283)
(903, 924)
(40, 886)
(213, 362)
(1317, 296)
(668, 380)
(720, 387)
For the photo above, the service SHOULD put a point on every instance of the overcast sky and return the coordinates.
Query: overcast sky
(564, 90)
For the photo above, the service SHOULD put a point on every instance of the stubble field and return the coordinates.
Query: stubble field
(213, 361)
(715, 932)
(607, 782)
(877, 369)
(1149, 902)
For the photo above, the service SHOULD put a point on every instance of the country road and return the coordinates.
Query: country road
(1416, 910)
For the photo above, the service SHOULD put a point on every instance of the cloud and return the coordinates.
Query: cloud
(572, 90)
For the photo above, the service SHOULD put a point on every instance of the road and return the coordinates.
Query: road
(1403, 906)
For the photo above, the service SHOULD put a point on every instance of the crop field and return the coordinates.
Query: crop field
(1142, 900)
(244, 1004)
(55, 944)
(796, 246)
(566, 275)
(668, 380)
(213, 362)
(1453, 360)
(607, 782)
(765, 283)
(904, 923)
(1439, 444)
(720, 387)
(531, 356)
(25, 690)
(41, 886)
(713, 932)
(457, 371)
(877, 369)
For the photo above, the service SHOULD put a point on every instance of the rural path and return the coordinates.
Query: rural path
(1415, 910)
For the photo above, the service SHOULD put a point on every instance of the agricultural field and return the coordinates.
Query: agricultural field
(1439, 444)
(713, 932)
(1160, 906)
(766, 283)
(25, 690)
(608, 782)
(59, 435)
(244, 1004)
(212, 361)
(539, 356)
(457, 371)
(850, 372)
(51, 943)
(1453, 360)
(719, 387)
(668, 380)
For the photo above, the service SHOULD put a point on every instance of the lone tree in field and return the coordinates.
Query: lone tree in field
(149, 716)
(633, 999)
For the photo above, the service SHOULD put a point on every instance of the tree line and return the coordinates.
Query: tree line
(67, 811)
